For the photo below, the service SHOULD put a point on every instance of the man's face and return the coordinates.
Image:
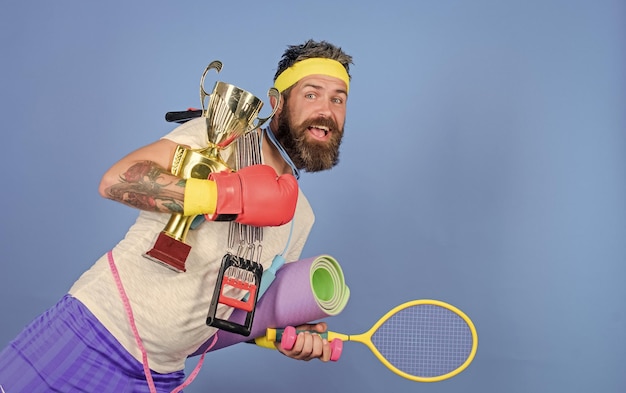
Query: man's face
(310, 124)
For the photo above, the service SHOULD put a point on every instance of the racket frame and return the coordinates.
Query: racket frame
(272, 335)
(366, 339)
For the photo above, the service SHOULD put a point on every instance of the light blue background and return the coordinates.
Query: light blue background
(483, 165)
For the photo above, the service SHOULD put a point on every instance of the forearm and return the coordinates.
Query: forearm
(254, 195)
(148, 186)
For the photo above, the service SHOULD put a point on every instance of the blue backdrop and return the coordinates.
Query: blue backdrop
(484, 165)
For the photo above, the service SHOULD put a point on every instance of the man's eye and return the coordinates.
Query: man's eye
(310, 95)
(338, 100)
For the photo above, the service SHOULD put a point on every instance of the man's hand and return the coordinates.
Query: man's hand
(309, 345)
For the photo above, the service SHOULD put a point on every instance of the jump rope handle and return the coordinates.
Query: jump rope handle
(183, 116)
(287, 338)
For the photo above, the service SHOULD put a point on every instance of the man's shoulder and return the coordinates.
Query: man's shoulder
(192, 133)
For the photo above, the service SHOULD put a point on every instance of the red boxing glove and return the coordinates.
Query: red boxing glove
(255, 195)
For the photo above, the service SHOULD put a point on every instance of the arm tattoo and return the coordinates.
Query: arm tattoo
(143, 186)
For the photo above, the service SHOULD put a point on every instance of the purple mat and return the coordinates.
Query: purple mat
(303, 291)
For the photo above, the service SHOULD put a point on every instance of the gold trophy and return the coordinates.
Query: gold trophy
(230, 113)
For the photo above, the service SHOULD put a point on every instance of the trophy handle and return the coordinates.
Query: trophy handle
(214, 65)
(272, 92)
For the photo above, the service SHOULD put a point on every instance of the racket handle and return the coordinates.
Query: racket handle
(287, 338)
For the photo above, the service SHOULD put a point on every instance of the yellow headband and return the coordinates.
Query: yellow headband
(311, 66)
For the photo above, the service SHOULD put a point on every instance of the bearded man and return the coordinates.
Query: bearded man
(128, 324)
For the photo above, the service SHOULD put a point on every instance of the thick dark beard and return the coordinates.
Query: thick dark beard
(311, 156)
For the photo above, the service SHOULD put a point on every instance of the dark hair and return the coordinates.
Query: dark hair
(310, 49)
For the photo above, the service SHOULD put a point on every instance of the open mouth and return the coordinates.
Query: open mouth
(319, 132)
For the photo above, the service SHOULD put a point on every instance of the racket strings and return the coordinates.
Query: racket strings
(424, 340)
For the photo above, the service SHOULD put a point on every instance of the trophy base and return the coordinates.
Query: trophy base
(169, 252)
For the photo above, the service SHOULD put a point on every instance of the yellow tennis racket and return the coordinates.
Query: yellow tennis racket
(421, 340)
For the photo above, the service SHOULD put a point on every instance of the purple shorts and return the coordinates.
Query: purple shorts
(66, 349)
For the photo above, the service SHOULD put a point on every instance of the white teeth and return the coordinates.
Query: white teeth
(319, 130)
(323, 128)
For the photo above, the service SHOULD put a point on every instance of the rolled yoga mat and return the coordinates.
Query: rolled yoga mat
(303, 291)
